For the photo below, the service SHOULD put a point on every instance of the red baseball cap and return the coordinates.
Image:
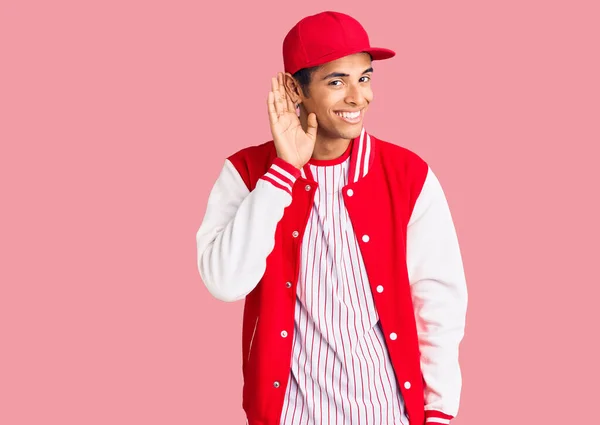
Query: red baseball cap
(325, 37)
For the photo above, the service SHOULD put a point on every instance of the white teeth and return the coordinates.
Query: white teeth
(350, 115)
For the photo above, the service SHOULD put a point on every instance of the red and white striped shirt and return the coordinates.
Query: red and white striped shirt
(341, 372)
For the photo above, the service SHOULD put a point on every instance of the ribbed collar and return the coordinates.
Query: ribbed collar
(361, 158)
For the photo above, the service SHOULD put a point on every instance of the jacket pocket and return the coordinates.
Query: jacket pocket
(252, 339)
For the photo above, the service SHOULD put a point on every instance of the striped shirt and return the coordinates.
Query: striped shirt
(341, 371)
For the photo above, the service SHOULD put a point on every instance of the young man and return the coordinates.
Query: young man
(342, 246)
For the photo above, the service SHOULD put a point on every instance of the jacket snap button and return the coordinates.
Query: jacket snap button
(283, 334)
(407, 385)
(380, 289)
(393, 336)
(307, 187)
(295, 234)
(288, 284)
(276, 384)
(365, 238)
(350, 192)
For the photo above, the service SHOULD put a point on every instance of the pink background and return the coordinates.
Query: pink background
(115, 120)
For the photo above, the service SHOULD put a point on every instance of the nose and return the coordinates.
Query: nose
(354, 95)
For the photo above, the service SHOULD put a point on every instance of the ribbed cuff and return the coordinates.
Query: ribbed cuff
(436, 417)
(282, 174)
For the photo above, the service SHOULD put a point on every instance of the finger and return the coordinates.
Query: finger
(275, 96)
(312, 125)
(282, 94)
(284, 101)
(278, 102)
(273, 118)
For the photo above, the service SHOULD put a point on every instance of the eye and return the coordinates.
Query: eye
(334, 81)
(366, 76)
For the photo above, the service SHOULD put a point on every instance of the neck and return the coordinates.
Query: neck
(326, 147)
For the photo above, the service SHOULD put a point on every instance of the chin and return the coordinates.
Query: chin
(350, 133)
(336, 131)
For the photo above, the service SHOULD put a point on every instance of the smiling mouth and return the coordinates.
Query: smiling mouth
(350, 117)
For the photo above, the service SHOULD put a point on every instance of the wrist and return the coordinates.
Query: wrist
(289, 163)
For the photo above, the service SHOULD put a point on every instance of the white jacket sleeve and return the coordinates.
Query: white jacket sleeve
(238, 230)
(439, 296)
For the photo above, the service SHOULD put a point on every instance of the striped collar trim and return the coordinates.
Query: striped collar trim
(361, 159)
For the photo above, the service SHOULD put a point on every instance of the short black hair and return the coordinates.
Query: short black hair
(304, 76)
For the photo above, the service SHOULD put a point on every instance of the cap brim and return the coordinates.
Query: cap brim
(379, 53)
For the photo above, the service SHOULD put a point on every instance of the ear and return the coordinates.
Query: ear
(292, 88)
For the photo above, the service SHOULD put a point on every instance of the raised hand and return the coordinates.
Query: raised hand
(293, 144)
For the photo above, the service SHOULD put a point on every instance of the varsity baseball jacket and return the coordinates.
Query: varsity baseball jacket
(248, 248)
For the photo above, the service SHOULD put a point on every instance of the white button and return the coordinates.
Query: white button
(307, 187)
(350, 192)
(295, 234)
(393, 336)
(365, 238)
(288, 284)
(407, 385)
(283, 334)
(276, 384)
(380, 289)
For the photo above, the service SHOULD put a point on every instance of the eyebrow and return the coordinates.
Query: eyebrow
(341, 74)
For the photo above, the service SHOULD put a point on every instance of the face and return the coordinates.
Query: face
(339, 94)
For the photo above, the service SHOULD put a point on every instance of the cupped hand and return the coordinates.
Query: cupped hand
(293, 144)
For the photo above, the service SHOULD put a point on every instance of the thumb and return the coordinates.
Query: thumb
(312, 125)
